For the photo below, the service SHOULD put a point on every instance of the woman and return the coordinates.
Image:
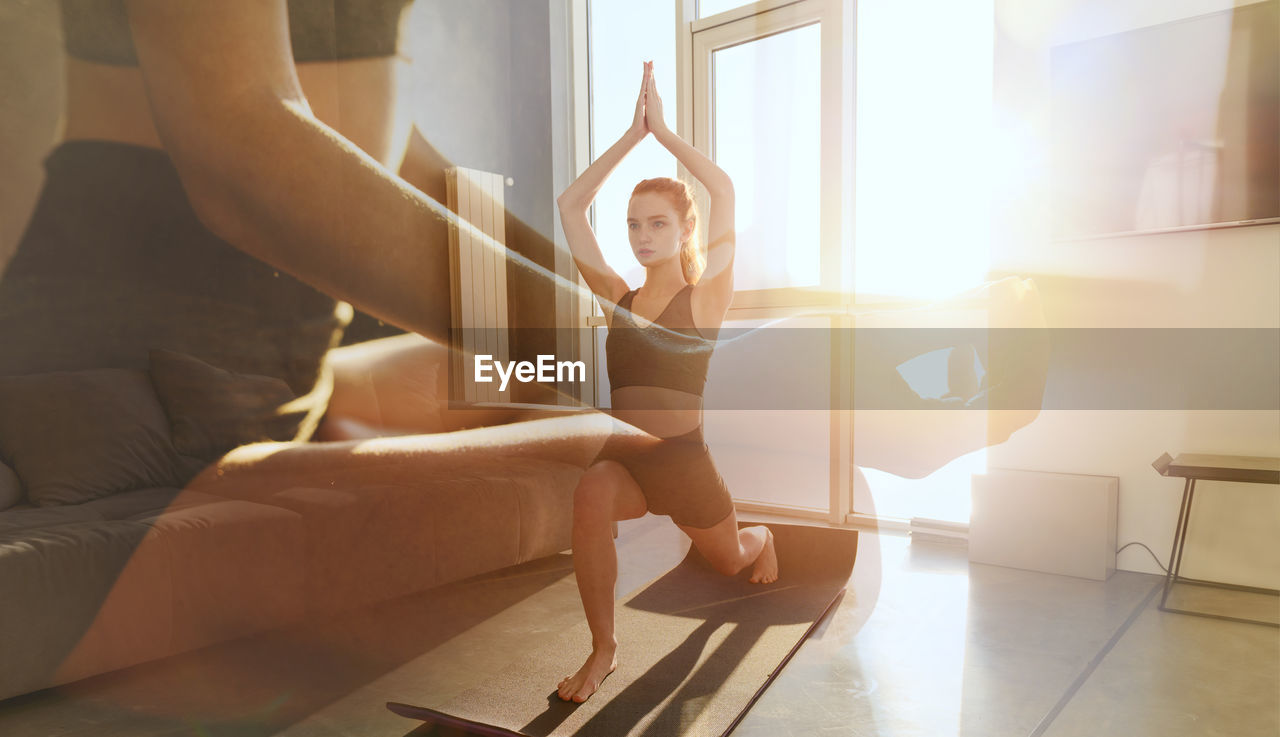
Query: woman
(226, 181)
(223, 182)
(656, 373)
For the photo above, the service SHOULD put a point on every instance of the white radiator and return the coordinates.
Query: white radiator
(477, 280)
(1051, 522)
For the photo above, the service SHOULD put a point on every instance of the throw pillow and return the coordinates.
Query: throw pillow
(76, 436)
(212, 410)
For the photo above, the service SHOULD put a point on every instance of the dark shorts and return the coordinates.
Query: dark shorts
(114, 262)
(675, 474)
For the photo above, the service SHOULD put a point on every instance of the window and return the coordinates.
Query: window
(924, 158)
(765, 133)
(622, 35)
(765, 90)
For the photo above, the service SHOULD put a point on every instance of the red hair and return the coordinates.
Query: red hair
(693, 258)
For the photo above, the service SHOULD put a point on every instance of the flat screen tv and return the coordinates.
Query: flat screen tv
(1171, 127)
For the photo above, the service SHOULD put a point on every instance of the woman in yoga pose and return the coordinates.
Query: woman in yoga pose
(225, 184)
(658, 353)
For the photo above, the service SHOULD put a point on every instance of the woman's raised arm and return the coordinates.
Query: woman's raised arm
(714, 291)
(575, 200)
(267, 176)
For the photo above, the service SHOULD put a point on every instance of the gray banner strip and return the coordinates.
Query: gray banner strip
(972, 368)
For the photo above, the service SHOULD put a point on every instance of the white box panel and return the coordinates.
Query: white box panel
(1050, 522)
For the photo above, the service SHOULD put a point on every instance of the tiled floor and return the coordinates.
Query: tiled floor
(922, 644)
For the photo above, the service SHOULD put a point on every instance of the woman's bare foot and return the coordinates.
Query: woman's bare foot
(766, 565)
(579, 686)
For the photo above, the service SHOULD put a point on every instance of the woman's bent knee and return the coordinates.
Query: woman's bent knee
(607, 490)
(594, 495)
(720, 545)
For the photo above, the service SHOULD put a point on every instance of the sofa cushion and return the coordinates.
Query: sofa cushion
(141, 503)
(146, 503)
(76, 436)
(10, 488)
(212, 410)
(373, 542)
(236, 566)
(61, 580)
(30, 517)
(157, 572)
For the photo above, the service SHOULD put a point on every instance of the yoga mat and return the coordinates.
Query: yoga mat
(695, 650)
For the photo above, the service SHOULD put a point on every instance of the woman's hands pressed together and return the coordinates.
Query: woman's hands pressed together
(715, 289)
(639, 125)
(654, 122)
(648, 117)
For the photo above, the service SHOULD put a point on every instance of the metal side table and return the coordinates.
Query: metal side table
(1199, 467)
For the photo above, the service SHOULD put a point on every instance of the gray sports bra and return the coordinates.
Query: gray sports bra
(671, 353)
(320, 30)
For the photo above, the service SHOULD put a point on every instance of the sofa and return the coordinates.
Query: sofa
(119, 546)
(147, 573)
(202, 538)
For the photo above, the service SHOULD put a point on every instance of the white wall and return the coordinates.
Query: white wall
(1201, 279)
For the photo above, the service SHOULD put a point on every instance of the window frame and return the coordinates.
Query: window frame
(697, 40)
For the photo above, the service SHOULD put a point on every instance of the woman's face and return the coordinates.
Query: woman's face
(654, 228)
